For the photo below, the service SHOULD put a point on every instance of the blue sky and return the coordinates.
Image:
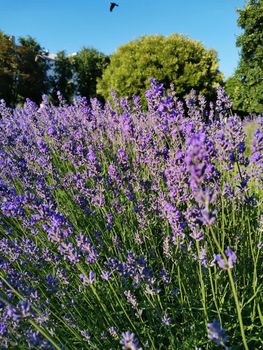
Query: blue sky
(70, 25)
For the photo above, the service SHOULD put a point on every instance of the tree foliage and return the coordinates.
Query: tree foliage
(33, 80)
(62, 77)
(8, 67)
(246, 87)
(234, 89)
(21, 76)
(175, 59)
(89, 65)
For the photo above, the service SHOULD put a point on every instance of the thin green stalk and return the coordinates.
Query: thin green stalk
(234, 291)
(183, 291)
(97, 297)
(46, 335)
(255, 279)
(223, 221)
(123, 309)
(214, 295)
(33, 323)
(201, 280)
(180, 285)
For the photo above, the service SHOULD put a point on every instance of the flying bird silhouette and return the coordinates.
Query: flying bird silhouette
(112, 5)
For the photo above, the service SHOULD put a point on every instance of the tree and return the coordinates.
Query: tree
(33, 80)
(235, 89)
(8, 67)
(20, 75)
(89, 65)
(175, 59)
(247, 93)
(62, 77)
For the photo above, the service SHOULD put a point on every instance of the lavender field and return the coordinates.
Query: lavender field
(126, 228)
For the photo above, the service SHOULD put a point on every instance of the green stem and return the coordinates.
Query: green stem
(234, 291)
(33, 323)
(214, 295)
(40, 330)
(201, 280)
(180, 285)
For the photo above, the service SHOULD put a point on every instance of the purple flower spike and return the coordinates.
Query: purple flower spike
(3, 328)
(257, 154)
(166, 320)
(129, 341)
(231, 257)
(221, 262)
(24, 308)
(12, 313)
(230, 261)
(216, 333)
(88, 280)
(223, 103)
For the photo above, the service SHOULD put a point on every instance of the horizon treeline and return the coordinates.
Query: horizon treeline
(27, 70)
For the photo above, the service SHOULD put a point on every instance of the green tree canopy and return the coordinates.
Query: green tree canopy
(32, 79)
(246, 86)
(89, 65)
(8, 67)
(175, 59)
(234, 89)
(62, 77)
(21, 76)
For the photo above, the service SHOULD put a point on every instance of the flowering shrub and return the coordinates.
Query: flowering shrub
(122, 228)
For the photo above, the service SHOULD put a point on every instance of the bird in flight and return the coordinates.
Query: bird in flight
(112, 5)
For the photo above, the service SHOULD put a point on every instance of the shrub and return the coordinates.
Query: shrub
(175, 59)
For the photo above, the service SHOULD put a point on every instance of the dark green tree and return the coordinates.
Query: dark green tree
(89, 66)
(8, 68)
(246, 86)
(175, 59)
(33, 67)
(21, 75)
(235, 90)
(62, 77)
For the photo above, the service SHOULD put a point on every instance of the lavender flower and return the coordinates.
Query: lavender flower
(174, 218)
(87, 280)
(129, 341)
(166, 320)
(106, 205)
(69, 252)
(216, 333)
(3, 328)
(223, 103)
(131, 299)
(257, 154)
(231, 259)
(87, 249)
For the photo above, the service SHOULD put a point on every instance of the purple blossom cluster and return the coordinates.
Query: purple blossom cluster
(227, 262)
(216, 333)
(105, 208)
(257, 155)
